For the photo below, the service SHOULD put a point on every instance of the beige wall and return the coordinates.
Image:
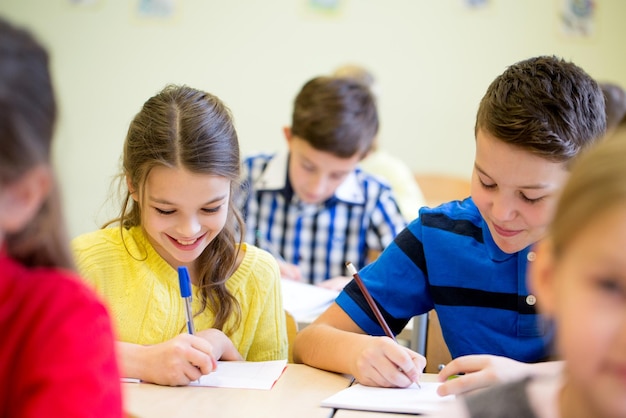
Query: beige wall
(433, 60)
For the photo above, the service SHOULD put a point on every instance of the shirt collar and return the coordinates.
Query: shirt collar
(274, 177)
(350, 190)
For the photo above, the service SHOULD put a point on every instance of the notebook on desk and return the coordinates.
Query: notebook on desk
(305, 301)
(243, 374)
(411, 400)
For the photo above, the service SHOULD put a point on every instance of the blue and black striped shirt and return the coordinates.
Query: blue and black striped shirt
(447, 260)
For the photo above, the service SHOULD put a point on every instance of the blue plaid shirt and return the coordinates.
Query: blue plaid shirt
(361, 216)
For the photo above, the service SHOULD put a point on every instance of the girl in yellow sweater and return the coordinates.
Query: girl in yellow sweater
(181, 168)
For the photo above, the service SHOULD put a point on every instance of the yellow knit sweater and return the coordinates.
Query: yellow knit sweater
(143, 294)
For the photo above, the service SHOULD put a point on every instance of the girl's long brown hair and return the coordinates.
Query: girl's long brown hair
(187, 128)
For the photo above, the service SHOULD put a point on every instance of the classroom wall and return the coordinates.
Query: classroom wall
(433, 60)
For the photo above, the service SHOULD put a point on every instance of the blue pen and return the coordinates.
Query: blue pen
(185, 293)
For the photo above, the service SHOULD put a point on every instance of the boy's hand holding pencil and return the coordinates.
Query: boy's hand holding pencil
(395, 366)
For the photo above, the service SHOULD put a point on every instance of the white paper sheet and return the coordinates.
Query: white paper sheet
(411, 400)
(305, 301)
(243, 374)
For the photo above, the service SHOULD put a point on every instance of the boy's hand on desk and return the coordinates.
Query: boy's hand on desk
(289, 271)
(385, 363)
(336, 283)
(178, 361)
(479, 371)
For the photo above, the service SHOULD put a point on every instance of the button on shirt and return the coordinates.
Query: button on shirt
(361, 216)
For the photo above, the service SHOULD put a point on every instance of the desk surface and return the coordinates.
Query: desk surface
(297, 393)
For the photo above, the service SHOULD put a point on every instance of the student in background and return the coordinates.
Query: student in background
(579, 279)
(57, 354)
(615, 110)
(181, 166)
(468, 259)
(312, 207)
(615, 97)
(379, 162)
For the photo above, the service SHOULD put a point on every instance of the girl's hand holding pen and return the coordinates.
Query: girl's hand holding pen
(178, 361)
(185, 358)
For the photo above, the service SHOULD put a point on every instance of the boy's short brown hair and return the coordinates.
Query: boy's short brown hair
(545, 105)
(336, 115)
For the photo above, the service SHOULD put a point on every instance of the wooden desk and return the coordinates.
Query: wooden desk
(297, 393)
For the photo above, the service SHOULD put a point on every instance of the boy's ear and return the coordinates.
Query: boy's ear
(541, 276)
(20, 200)
(287, 133)
(131, 189)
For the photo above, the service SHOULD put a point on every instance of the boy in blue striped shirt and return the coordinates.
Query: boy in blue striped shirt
(312, 207)
(468, 259)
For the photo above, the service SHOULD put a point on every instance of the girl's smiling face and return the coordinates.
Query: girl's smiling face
(515, 191)
(182, 212)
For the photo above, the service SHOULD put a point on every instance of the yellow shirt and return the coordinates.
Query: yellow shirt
(143, 294)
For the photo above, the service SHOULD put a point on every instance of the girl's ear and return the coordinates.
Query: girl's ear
(541, 276)
(20, 200)
(131, 189)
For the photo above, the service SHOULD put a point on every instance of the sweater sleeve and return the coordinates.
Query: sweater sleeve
(269, 331)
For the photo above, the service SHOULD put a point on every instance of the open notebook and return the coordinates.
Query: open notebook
(238, 374)
(411, 400)
(304, 301)
(243, 374)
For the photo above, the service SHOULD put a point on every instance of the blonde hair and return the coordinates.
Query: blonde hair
(597, 183)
